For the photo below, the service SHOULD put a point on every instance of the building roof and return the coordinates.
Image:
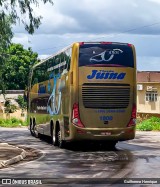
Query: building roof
(148, 76)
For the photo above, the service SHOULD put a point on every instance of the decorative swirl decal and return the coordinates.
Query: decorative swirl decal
(106, 56)
(53, 106)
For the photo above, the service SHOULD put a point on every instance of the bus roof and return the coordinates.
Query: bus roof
(81, 43)
(44, 60)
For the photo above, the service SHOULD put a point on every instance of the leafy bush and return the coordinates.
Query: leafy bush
(150, 124)
(9, 108)
(22, 103)
(13, 122)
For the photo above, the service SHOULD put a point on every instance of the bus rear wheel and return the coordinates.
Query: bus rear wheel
(61, 143)
(54, 138)
(35, 133)
(31, 128)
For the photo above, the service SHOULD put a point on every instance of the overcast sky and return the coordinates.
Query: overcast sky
(68, 21)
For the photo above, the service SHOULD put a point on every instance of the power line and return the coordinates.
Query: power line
(157, 23)
(130, 30)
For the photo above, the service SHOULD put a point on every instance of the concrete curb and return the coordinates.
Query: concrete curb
(14, 159)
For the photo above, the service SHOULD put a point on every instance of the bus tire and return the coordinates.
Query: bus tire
(61, 143)
(31, 127)
(54, 137)
(35, 133)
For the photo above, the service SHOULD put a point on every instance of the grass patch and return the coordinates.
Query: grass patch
(151, 124)
(12, 122)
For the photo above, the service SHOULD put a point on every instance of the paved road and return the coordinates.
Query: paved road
(132, 159)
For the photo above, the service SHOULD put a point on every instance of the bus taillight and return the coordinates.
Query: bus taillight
(130, 45)
(81, 43)
(76, 117)
(132, 121)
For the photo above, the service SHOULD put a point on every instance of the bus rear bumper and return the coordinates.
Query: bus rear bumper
(105, 134)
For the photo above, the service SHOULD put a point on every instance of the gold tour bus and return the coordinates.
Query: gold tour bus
(85, 92)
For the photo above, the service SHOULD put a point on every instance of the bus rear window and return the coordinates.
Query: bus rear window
(106, 55)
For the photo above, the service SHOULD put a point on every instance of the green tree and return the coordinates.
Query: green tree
(11, 12)
(22, 103)
(17, 67)
(16, 8)
(5, 37)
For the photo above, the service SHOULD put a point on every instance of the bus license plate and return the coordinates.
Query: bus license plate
(105, 133)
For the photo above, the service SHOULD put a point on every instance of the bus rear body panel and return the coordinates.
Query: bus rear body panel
(106, 92)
